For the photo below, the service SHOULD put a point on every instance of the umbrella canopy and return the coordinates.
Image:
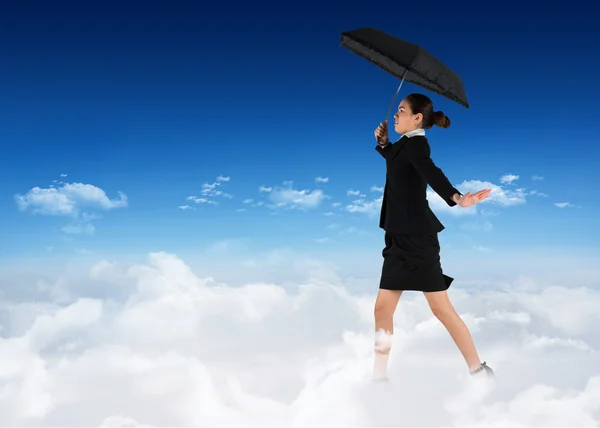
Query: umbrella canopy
(406, 61)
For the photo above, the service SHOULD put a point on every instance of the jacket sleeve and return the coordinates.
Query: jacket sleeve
(419, 153)
(383, 151)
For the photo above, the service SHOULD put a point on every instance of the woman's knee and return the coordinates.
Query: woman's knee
(440, 305)
(384, 309)
(441, 312)
(386, 304)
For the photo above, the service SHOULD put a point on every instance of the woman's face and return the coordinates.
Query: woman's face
(404, 120)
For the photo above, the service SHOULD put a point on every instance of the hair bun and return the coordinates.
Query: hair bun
(441, 120)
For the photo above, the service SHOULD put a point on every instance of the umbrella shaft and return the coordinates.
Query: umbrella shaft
(395, 95)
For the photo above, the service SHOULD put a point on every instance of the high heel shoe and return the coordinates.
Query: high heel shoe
(488, 370)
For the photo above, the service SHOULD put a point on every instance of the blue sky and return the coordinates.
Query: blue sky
(172, 105)
(115, 115)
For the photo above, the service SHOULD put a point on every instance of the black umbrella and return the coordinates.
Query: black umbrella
(406, 61)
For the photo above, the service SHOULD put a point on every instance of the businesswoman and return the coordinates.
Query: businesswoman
(411, 257)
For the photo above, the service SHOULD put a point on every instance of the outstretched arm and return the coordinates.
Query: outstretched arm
(419, 154)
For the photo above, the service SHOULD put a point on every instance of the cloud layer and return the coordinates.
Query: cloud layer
(153, 345)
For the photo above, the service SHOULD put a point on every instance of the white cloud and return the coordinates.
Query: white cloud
(498, 195)
(211, 189)
(252, 203)
(68, 200)
(207, 188)
(209, 192)
(352, 192)
(321, 179)
(291, 198)
(336, 205)
(76, 200)
(537, 177)
(264, 189)
(222, 194)
(489, 213)
(508, 178)
(485, 226)
(185, 207)
(564, 205)
(79, 229)
(199, 200)
(294, 356)
(537, 193)
(364, 206)
(377, 189)
(372, 208)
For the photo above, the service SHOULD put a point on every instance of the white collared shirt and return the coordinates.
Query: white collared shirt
(415, 132)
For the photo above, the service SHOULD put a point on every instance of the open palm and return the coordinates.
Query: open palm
(469, 199)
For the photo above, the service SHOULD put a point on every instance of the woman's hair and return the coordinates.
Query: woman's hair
(420, 103)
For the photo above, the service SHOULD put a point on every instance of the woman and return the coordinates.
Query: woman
(412, 250)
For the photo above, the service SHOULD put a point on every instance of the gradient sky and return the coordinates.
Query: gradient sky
(193, 112)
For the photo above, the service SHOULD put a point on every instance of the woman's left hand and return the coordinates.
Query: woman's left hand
(469, 199)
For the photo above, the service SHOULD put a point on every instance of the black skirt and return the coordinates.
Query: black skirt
(412, 262)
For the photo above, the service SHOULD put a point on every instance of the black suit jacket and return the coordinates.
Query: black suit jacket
(405, 209)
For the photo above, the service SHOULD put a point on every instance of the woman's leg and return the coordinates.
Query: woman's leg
(444, 311)
(385, 306)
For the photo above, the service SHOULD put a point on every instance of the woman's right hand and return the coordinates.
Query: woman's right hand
(381, 133)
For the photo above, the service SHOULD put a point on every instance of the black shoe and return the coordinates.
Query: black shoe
(490, 373)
